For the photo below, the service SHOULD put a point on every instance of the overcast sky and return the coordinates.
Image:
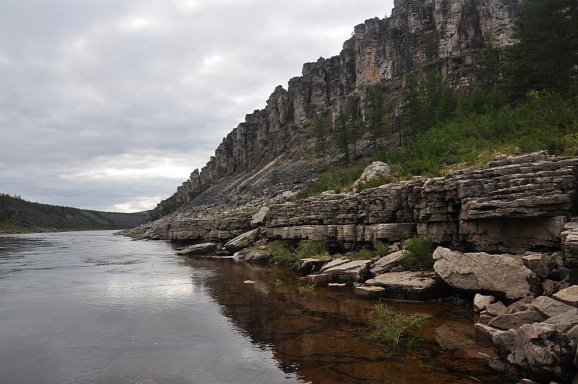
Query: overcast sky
(111, 104)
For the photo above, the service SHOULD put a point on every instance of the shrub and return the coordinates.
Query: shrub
(306, 290)
(280, 252)
(335, 181)
(390, 327)
(312, 249)
(418, 253)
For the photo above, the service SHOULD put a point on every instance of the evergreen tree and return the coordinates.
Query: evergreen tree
(320, 137)
(447, 104)
(354, 122)
(415, 114)
(546, 55)
(375, 117)
(342, 134)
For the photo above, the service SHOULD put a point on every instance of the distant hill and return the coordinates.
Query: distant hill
(20, 216)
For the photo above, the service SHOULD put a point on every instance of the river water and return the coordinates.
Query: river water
(92, 307)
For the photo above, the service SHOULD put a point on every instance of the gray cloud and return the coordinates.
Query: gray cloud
(111, 104)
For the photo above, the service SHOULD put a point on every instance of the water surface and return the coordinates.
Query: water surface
(90, 307)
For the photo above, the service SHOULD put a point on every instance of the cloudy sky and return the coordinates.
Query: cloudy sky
(111, 104)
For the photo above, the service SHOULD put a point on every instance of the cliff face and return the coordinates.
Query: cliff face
(447, 34)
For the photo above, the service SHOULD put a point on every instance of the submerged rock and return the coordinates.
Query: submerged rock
(409, 285)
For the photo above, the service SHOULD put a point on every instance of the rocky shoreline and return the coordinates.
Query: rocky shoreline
(505, 238)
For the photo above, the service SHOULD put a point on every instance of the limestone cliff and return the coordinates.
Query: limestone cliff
(270, 151)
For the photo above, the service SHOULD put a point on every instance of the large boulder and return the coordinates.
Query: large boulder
(538, 351)
(373, 171)
(485, 272)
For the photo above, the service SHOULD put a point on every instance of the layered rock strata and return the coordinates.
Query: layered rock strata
(446, 34)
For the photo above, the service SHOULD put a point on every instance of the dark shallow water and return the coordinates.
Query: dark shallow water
(89, 307)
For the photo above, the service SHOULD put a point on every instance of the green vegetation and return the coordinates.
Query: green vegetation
(391, 327)
(337, 181)
(282, 253)
(311, 249)
(418, 253)
(19, 215)
(306, 290)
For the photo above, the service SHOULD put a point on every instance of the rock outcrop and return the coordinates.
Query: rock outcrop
(262, 155)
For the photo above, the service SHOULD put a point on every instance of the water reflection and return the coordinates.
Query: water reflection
(323, 339)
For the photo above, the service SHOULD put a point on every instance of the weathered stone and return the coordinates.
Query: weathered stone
(485, 332)
(565, 320)
(335, 263)
(317, 279)
(481, 301)
(369, 292)
(260, 255)
(568, 295)
(537, 263)
(481, 271)
(385, 263)
(538, 350)
(377, 169)
(243, 241)
(409, 285)
(337, 285)
(521, 305)
(350, 272)
(485, 318)
(496, 309)
(516, 320)
(308, 266)
(198, 249)
(550, 307)
(260, 217)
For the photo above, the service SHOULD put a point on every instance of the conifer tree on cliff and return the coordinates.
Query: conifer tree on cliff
(546, 54)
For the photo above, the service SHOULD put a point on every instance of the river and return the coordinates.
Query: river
(92, 307)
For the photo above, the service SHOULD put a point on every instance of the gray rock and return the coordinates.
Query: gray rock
(369, 292)
(373, 170)
(385, 263)
(516, 320)
(550, 307)
(564, 321)
(485, 332)
(308, 266)
(482, 271)
(538, 350)
(243, 241)
(410, 285)
(260, 217)
(537, 263)
(481, 301)
(568, 295)
(496, 309)
(350, 272)
(198, 249)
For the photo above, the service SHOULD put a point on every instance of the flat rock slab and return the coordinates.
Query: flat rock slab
(568, 295)
(243, 241)
(409, 285)
(335, 263)
(350, 272)
(385, 264)
(198, 249)
(369, 292)
(550, 307)
(564, 321)
(509, 321)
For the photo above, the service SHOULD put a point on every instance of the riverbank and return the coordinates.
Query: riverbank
(505, 229)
